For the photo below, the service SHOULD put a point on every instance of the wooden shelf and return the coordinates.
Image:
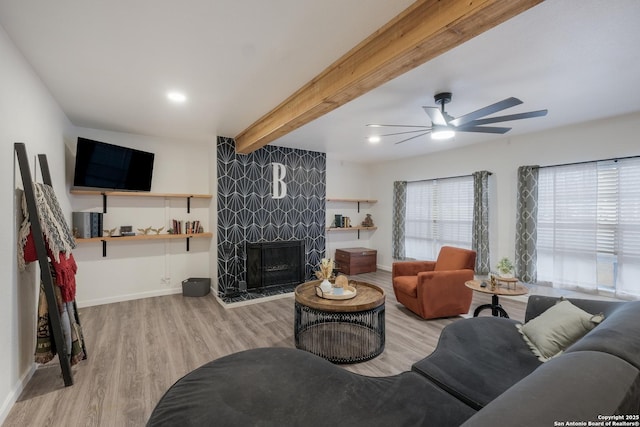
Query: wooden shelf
(139, 194)
(165, 236)
(358, 229)
(352, 200)
(357, 201)
(351, 228)
(105, 194)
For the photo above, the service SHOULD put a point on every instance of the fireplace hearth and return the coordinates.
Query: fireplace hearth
(275, 264)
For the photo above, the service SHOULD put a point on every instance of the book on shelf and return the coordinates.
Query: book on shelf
(186, 227)
(81, 224)
(96, 224)
(87, 224)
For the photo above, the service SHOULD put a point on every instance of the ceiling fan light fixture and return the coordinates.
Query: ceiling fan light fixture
(442, 133)
(374, 139)
(177, 97)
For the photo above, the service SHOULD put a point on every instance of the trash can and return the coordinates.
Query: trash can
(196, 286)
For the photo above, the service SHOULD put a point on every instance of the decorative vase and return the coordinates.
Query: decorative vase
(325, 286)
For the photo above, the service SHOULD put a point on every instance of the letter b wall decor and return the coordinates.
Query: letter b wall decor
(279, 186)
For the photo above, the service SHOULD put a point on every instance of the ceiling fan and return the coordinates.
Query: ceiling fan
(444, 126)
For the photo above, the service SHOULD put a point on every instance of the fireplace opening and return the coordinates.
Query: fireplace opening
(275, 264)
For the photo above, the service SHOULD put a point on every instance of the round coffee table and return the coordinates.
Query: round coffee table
(496, 308)
(341, 331)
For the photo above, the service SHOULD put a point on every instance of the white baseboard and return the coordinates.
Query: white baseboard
(128, 297)
(13, 396)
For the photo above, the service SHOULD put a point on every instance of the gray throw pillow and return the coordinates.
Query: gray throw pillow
(557, 328)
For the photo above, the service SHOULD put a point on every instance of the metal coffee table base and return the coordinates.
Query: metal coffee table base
(496, 308)
(340, 337)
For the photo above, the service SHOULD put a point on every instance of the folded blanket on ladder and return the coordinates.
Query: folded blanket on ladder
(58, 239)
(59, 242)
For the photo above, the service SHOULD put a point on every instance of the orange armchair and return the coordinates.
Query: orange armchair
(433, 289)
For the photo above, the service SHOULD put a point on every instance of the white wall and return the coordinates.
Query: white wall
(28, 114)
(141, 269)
(347, 180)
(603, 139)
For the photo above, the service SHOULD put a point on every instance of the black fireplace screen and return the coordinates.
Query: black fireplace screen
(275, 263)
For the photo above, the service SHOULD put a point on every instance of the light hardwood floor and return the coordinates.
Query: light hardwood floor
(138, 349)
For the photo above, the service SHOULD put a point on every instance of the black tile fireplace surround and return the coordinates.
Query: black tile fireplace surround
(249, 212)
(275, 264)
(270, 268)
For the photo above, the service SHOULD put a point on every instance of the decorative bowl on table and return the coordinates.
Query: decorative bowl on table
(337, 293)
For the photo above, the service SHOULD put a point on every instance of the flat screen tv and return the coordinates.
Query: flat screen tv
(102, 165)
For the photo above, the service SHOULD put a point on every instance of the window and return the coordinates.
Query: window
(439, 212)
(589, 226)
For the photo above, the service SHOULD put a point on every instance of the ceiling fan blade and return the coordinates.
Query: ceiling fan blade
(373, 125)
(509, 117)
(413, 137)
(489, 109)
(436, 116)
(482, 129)
(406, 132)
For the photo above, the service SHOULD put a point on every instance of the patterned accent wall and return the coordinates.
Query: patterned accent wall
(248, 211)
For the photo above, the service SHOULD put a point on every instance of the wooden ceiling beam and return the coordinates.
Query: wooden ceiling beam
(423, 31)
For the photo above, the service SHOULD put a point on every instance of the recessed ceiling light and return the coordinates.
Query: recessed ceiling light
(177, 96)
(374, 139)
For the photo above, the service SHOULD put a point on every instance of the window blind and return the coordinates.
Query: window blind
(589, 226)
(439, 212)
(628, 236)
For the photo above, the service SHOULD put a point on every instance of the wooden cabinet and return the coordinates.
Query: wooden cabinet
(356, 260)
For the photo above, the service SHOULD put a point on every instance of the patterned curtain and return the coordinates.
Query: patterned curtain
(526, 220)
(399, 217)
(480, 237)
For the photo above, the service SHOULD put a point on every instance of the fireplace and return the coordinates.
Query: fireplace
(275, 264)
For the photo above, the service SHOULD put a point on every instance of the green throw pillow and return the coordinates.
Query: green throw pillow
(557, 328)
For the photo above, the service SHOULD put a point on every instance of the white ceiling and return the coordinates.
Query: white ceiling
(109, 65)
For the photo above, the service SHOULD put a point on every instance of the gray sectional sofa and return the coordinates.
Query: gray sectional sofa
(482, 373)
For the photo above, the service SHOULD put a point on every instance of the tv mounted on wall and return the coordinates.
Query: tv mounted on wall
(102, 165)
